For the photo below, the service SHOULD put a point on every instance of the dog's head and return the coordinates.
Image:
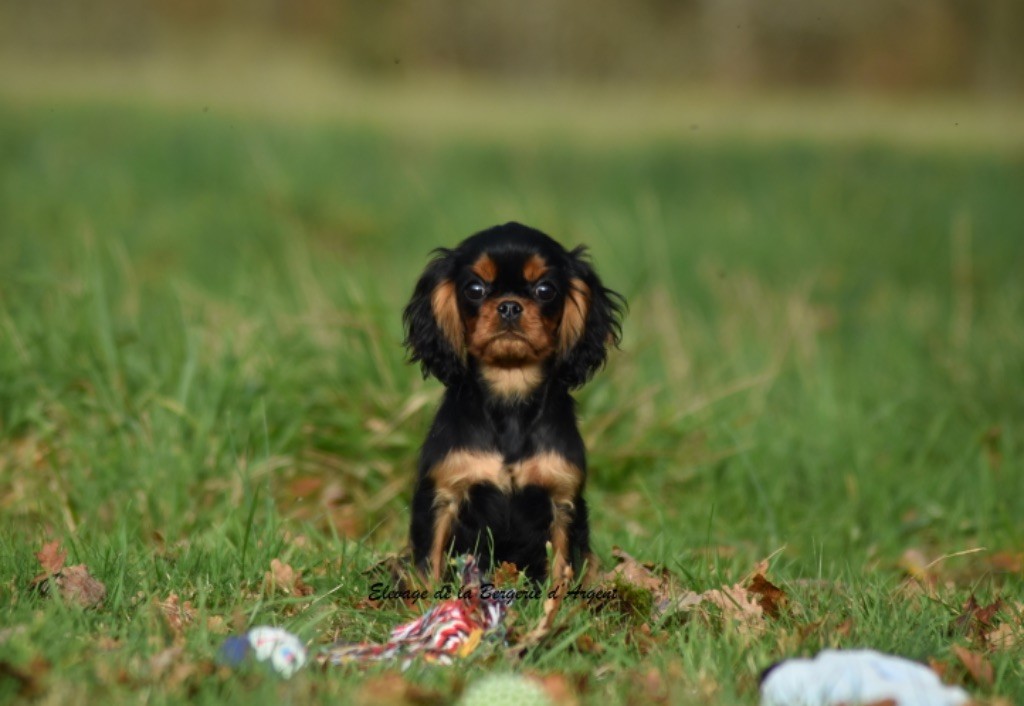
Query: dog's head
(514, 305)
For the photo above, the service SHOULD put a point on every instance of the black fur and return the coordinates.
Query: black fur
(493, 525)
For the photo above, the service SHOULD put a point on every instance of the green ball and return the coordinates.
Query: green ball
(505, 690)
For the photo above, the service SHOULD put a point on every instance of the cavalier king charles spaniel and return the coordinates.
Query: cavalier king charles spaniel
(510, 322)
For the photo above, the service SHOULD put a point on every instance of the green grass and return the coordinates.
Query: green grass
(201, 371)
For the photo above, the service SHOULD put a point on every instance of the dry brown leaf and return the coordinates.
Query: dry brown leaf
(1007, 562)
(177, 615)
(1004, 637)
(284, 578)
(217, 625)
(30, 679)
(506, 575)
(51, 557)
(386, 690)
(185, 670)
(739, 607)
(558, 688)
(976, 621)
(940, 668)
(633, 572)
(648, 688)
(844, 628)
(587, 645)
(108, 643)
(305, 486)
(667, 595)
(75, 584)
(770, 597)
(977, 665)
(916, 565)
(161, 662)
(78, 587)
(394, 690)
(645, 641)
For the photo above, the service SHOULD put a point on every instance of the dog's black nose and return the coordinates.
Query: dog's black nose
(510, 311)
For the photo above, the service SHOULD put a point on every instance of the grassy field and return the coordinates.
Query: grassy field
(201, 372)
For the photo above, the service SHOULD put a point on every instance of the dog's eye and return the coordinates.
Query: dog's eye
(545, 291)
(475, 291)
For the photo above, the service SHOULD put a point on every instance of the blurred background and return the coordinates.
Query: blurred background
(884, 45)
(213, 211)
(912, 70)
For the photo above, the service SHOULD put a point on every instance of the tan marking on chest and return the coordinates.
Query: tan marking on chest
(512, 383)
(551, 471)
(461, 470)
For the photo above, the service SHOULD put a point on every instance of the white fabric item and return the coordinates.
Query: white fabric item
(285, 651)
(855, 677)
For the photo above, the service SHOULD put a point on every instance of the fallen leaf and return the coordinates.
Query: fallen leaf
(739, 607)
(916, 565)
(30, 679)
(386, 690)
(394, 690)
(771, 598)
(161, 662)
(1005, 637)
(644, 640)
(558, 688)
(976, 621)
(506, 575)
(1007, 562)
(217, 625)
(648, 688)
(305, 486)
(108, 644)
(940, 668)
(632, 571)
(587, 645)
(667, 596)
(51, 557)
(284, 578)
(977, 665)
(77, 586)
(177, 614)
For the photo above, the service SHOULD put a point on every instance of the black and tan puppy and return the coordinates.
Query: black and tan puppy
(510, 322)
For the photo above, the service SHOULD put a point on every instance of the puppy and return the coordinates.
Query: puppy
(510, 322)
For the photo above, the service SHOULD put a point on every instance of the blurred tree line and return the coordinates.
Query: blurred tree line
(900, 45)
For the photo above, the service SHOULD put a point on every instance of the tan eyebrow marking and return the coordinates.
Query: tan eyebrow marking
(486, 268)
(534, 268)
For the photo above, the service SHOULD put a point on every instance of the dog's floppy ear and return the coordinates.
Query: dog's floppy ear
(434, 334)
(591, 321)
